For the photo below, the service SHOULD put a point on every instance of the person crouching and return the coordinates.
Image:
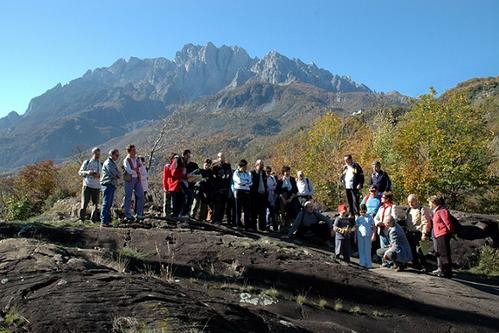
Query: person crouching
(310, 223)
(343, 228)
(398, 253)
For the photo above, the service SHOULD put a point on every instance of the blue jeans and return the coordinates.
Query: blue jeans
(130, 186)
(107, 203)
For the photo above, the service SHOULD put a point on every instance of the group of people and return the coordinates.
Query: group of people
(258, 199)
(255, 199)
(376, 227)
(104, 178)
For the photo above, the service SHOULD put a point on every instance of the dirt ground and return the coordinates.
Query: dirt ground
(196, 277)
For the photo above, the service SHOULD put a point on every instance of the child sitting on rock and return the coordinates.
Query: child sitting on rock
(364, 229)
(343, 228)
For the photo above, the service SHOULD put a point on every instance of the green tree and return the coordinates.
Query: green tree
(443, 146)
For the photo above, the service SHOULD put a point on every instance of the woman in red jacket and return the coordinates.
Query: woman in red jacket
(442, 230)
(175, 175)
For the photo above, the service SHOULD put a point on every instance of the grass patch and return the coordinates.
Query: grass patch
(322, 304)
(131, 253)
(338, 305)
(301, 299)
(355, 310)
(13, 321)
(134, 325)
(377, 314)
(272, 293)
(121, 263)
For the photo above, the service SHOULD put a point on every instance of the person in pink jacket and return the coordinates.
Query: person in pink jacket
(442, 230)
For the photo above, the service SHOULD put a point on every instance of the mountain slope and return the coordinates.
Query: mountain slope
(240, 120)
(109, 102)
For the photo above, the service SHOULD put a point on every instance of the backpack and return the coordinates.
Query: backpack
(457, 226)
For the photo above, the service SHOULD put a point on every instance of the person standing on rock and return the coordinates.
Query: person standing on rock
(288, 196)
(242, 185)
(372, 201)
(364, 229)
(271, 199)
(188, 184)
(352, 178)
(258, 193)
(222, 177)
(109, 181)
(131, 176)
(442, 232)
(167, 198)
(305, 188)
(203, 192)
(343, 227)
(380, 178)
(418, 221)
(90, 170)
(176, 175)
(144, 177)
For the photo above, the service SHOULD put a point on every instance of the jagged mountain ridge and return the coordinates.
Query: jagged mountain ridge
(111, 101)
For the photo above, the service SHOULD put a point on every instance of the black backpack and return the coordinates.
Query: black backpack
(456, 224)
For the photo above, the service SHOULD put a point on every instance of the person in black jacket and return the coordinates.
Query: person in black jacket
(352, 178)
(258, 194)
(222, 177)
(288, 196)
(203, 192)
(380, 178)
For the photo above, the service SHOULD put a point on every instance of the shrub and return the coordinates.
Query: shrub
(488, 263)
(20, 208)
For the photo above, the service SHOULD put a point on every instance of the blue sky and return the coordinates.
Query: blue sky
(388, 45)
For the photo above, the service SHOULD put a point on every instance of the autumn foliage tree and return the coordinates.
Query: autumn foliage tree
(35, 187)
(319, 152)
(443, 146)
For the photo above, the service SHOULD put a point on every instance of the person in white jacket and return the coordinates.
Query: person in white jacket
(242, 183)
(90, 170)
(144, 178)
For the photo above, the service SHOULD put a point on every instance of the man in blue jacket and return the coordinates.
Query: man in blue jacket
(380, 178)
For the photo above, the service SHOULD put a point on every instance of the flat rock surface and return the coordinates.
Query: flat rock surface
(196, 277)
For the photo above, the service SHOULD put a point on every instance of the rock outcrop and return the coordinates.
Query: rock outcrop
(193, 276)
